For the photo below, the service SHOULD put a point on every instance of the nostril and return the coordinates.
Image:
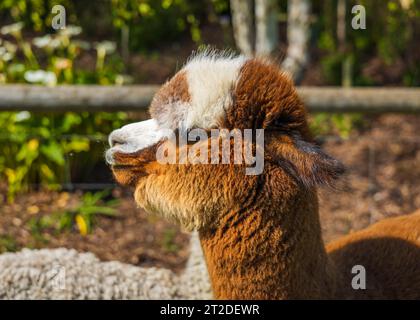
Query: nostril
(116, 139)
(115, 142)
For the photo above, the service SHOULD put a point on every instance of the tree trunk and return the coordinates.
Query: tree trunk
(266, 26)
(347, 65)
(298, 32)
(125, 48)
(242, 22)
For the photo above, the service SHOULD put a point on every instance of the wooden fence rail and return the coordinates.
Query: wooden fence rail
(94, 98)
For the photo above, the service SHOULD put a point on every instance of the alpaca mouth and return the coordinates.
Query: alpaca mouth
(128, 174)
(129, 167)
(122, 167)
(120, 159)
(125, 162)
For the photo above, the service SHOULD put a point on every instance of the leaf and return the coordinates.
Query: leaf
(28, 151)
(90, 198)
(33, 144)
(47, 172)
(15, 175)
(11, 175)
(53, 152)
(92, 210)
(76, 145)
(65, 220)
(44, 132)
(70, 119)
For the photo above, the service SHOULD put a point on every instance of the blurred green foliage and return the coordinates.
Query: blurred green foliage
(82, 217)
(386, 52)
(35, 14)
(152, 22)
(390, 39)
(323, 124)
(148, 22)
(390, 36)
(36, 147)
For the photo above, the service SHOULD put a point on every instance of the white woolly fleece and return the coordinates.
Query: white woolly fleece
(211, 78)
(67, 274)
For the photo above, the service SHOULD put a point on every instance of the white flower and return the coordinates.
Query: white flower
(40, 76)
(46, 42)
(12, 28)
(70, 30)
(105, 46)
(34, 76)
(42, 42)
(7, 57)
(11, 47)
(54, 44)
(23, 115)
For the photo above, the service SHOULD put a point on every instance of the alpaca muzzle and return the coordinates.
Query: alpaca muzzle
(133, 144)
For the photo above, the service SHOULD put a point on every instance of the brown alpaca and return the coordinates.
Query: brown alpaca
(260, 234)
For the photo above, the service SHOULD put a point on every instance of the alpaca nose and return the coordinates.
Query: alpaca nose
(117, 138)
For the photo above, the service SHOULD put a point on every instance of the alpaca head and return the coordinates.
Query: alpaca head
(218, 91)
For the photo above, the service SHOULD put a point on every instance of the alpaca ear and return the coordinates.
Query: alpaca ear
(307, 163)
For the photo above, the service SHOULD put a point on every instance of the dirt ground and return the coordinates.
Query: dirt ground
(383, 162)
(132, 236)
(383, 175)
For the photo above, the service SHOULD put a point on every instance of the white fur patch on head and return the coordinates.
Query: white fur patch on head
(211, 77)
(134, 137)
(172, 114)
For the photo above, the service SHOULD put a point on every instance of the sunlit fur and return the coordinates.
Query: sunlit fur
(261, 234)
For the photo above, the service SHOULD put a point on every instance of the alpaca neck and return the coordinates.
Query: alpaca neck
(261, 254)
